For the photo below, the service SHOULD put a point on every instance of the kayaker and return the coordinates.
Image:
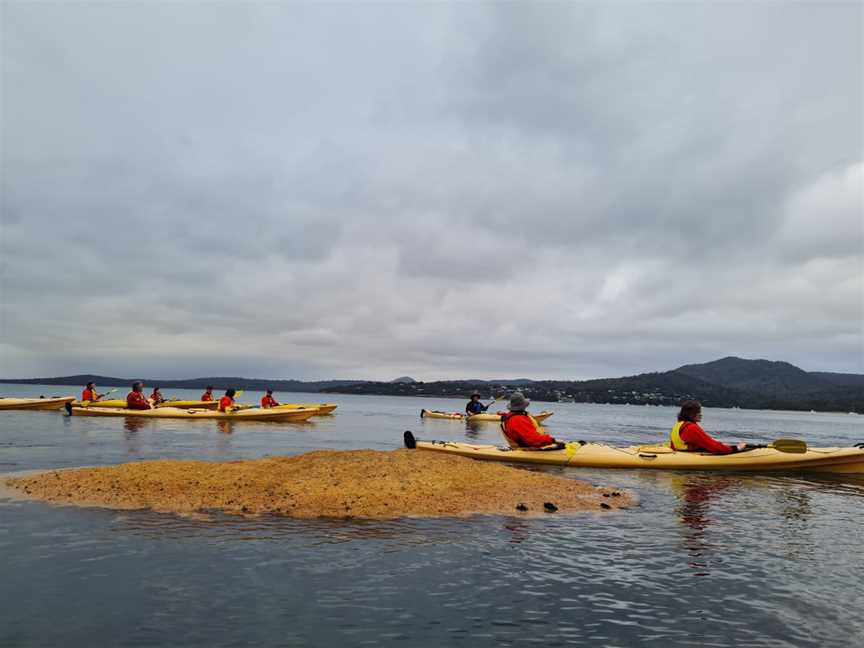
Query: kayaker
(522, 430)
(268, 400)
(156, 396)
(135, 399)
(208, 395)
(474, 406)
(227, 401)
(688, 436)
(89, 393)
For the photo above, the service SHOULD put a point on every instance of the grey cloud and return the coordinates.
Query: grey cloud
(435, 190)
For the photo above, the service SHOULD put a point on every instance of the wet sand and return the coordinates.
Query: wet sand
(324, 483)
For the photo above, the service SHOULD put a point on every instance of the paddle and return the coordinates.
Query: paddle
(795, 446)
(494, 400)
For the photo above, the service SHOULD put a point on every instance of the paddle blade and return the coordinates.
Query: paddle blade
(789, 445)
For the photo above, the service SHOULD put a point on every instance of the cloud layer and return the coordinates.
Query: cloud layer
(438, 190)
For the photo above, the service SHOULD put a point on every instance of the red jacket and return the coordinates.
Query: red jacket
(698, 439)
(521, 429)
(269, 401)
(225, 402)
(88, 395)
(136, 401)
(206, 397)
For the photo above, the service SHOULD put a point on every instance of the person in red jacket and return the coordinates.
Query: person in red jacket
(522, 430)
(156, 396)
(89, 393)
(135, 399)
(208, 395)
(268, 400)
(227, 401)
(688, 436)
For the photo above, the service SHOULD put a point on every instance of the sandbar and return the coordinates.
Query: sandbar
(324, 483)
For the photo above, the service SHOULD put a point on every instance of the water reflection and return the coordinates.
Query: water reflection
(695, 495)
(222, 527)
(132, 425)
(225, 427)
(474, 430)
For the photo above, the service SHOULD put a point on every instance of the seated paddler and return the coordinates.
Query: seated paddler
(136, 399)
(688, 436)
(89, 393)
(474, 406)
(268, 401)
(521, 430)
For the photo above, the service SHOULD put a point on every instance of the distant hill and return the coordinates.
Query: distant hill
(253, 384)
(728, 382)
(842, 379)
(762, 375)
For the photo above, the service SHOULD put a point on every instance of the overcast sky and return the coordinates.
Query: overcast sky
(438, 190)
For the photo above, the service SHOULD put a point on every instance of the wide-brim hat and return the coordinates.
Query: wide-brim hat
(518, 402)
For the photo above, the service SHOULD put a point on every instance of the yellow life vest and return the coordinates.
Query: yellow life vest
(675, 436)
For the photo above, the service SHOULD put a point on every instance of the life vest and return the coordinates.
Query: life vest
(507, 417)
(675, 437)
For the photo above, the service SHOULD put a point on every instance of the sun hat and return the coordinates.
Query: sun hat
(518, 402)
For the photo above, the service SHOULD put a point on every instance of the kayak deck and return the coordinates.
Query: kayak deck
(595, 455)
(35, 403)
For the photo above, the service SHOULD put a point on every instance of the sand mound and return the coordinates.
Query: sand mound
(325, 483)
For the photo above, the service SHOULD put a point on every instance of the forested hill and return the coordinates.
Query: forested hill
(220, 383)
(728, 382)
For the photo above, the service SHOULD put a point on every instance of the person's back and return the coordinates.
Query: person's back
(135, 400)
(521, 429)
(227, 401)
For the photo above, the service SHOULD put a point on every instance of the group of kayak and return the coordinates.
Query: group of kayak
(689, 448)
(136, 400)
(137, 404)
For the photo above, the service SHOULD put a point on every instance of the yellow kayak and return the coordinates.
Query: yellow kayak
(293, 415)
(457, 416)
(121, 403)
(323, 408)
(55, 403)
(596, 455)
(320, 408)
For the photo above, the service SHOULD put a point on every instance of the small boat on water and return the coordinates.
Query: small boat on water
(54, 403)
(458, 416)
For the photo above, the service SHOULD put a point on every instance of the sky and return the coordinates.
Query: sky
(484, 190)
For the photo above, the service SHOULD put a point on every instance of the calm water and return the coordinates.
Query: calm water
(715, 560)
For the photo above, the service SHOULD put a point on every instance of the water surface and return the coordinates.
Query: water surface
(719, 560)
